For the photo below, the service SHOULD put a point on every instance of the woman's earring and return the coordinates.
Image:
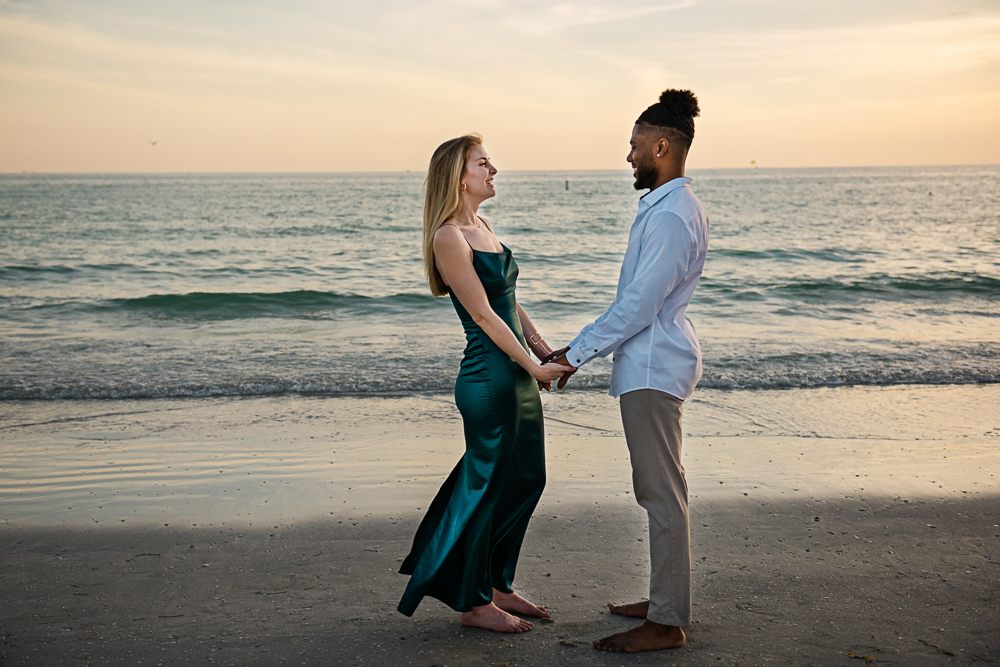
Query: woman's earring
(657, 155)
(463, 187)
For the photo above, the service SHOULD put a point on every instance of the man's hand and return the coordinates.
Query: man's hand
(565, 378)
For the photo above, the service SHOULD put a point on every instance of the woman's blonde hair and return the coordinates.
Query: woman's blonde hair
(442, 197)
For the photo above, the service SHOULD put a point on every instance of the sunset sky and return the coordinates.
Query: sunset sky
(304, 85)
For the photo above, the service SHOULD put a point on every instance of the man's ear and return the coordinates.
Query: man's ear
(662, 146)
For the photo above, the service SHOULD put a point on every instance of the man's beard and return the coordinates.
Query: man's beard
(645, 175)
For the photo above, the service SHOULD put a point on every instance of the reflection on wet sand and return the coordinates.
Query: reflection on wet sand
(241, 461)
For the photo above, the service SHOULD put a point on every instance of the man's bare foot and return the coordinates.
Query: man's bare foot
(516, 604)
(649, 636)
(635, 609)
(490, 617)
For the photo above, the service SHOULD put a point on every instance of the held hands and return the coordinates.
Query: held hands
(554, 365)
(557, 363)
(561, 361)
(546, 374)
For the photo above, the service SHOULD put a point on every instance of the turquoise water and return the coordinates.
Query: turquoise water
(198, 285)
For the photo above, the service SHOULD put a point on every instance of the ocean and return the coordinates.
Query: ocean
(198, 285)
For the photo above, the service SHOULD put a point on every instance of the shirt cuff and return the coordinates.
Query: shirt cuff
(578, 355)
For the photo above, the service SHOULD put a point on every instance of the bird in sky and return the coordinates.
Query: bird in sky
(152, 143)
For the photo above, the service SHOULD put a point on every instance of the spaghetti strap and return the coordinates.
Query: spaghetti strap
(443, 224)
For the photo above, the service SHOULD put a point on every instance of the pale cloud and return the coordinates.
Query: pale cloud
(374, 86)
(541, 20)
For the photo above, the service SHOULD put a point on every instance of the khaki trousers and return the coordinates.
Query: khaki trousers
(652, 421)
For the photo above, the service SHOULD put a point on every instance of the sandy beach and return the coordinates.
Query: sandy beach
(829, 527)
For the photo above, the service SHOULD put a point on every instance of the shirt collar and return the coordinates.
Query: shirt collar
(653, 196)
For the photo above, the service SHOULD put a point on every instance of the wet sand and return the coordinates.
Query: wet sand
(824, 524)
(904, 583)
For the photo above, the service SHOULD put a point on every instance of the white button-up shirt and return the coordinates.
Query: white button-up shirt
(646, 326)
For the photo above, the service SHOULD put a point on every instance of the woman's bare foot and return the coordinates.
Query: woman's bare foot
(649, 636)
(516, 604)
(635, 609)
(490, 617)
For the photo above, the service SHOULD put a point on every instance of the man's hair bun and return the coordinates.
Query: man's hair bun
(676, 110)
(680, 102)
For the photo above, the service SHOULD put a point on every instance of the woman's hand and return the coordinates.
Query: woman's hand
(550, 372)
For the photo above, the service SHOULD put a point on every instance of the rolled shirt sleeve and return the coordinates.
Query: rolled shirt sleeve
(664, 256)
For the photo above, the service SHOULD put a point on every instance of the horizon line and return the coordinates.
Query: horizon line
(624, 170)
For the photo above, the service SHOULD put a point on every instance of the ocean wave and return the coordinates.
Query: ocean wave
(360, 374)
(814, 379)
(26, 272)
(882, 286)
(139, 391)
(274, 387)
(785, 254)
(241, 305)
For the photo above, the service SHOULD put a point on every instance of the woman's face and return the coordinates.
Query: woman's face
(478, 177)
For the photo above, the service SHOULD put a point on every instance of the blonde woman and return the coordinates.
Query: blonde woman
(466, 548)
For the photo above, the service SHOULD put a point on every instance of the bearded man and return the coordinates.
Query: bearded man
(657, 360)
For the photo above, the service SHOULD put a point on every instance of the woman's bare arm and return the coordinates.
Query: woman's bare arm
(454, 262)
(528, 327)
(535, 341)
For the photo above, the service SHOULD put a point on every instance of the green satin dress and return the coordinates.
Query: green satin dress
(469, 541)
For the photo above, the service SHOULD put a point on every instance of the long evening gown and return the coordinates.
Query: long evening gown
(469, 541)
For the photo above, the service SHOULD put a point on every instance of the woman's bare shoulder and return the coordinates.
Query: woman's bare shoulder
(449, 236)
